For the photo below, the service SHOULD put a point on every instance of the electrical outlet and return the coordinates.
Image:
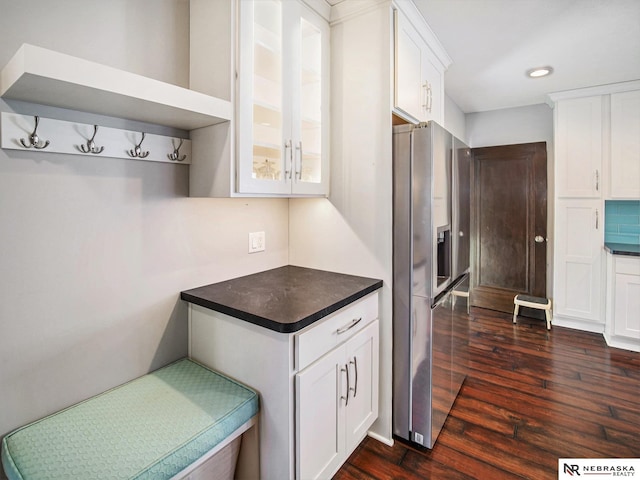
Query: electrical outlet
(256, 242)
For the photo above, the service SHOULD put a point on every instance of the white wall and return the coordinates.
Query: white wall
(510, 126)
(520, 125)
(454, 119)
(95, 251)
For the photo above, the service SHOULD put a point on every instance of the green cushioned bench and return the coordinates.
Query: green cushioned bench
(153, 427)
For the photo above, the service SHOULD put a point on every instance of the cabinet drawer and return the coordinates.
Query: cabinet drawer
(322, 336)
(628, 266)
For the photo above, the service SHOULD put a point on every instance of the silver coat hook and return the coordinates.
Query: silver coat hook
(90, 147)
(34, 140)
(137, 152)
(176, 152)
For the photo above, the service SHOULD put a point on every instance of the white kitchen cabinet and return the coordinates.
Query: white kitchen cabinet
(320, 418)
(419, 75)
(578, 133)
(336, 403)
(623, 302)
(596, 137)
(271, 59)
(625, 145)
(296, 375)
(627, 298)
(578, 264)
(282, 137)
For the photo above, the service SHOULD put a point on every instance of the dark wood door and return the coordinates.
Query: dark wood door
(509, 211)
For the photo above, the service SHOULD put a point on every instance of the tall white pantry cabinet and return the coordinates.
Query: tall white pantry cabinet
(596, 158)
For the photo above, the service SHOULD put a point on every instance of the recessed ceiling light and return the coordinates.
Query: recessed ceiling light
(539, 72)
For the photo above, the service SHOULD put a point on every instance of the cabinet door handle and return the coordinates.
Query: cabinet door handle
(597, 180)
(353, 323)
(346, 399)
(287, 146)
(428, 97)
(299, 163)
(355, 387)
(597, 219)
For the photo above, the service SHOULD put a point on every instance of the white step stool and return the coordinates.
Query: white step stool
(532, 302)
(459, 293)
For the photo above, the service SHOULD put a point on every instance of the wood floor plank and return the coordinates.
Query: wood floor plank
(503, 452)
(531, 396)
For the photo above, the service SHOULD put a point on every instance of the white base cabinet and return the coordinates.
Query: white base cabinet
(579, 257)
(336, 403)
(623, 302)
(306, 428)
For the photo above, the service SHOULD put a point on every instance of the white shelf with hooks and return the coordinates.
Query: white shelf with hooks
(42, 76)
(73, 138)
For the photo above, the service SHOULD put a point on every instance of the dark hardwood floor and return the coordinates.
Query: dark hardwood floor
(531, 396)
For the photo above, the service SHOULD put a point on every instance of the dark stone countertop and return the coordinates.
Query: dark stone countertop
(623, 249)
(284, 299)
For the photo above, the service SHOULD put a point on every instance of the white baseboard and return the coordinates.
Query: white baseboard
(577, 324)
(622, 342)
(380, 438)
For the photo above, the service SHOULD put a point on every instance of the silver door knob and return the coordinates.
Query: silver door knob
(539, 239)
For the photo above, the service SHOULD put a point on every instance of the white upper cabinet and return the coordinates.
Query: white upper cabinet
(282, 136)
(625, 145)
(578, 137)
(419, 74)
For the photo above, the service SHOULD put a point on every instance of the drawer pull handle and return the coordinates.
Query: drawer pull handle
(355, 388)
(353, 323)
(346, 399)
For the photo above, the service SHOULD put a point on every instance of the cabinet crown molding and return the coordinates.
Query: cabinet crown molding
(422, 25)
(347, 9)
(593, 91)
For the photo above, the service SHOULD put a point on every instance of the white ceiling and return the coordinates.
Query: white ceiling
(493, 42)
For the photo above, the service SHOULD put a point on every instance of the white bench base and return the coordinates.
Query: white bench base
(236, 457)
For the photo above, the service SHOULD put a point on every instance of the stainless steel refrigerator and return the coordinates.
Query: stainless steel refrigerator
(431, 225)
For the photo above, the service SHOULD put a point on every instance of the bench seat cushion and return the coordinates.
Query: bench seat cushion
(150, 428)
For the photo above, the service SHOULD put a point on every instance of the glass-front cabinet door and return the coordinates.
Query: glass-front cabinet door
(283, 97)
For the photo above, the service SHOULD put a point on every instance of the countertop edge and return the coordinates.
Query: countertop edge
(622, 249)
(276, 326)
(246, 316)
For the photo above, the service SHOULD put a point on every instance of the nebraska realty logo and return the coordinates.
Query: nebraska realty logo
(595, 468)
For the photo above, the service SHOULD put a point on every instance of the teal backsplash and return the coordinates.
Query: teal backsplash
(622, 221)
